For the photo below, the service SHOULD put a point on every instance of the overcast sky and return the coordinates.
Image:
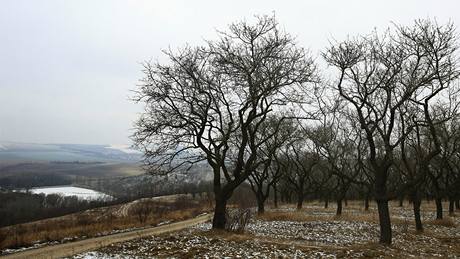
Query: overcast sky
(67, 67)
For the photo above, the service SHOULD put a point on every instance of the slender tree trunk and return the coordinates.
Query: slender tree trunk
(275, 192)
(339, 207)
(299, 201)
(326, 203)
(346, 202)
(366, 203)
(416, 202)
(219, 220)
(401, 201)
(438, 208)
(457, 204)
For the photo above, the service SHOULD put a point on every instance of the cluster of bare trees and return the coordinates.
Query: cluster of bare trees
(253, 105)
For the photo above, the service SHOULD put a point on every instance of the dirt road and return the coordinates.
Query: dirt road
(68, 249)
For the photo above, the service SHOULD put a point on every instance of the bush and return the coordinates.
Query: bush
(237, 220)
(142, 210)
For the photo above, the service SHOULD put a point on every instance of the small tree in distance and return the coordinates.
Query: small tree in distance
(208, 103)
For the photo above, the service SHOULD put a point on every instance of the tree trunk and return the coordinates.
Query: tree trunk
(346, 202)
(416, 202)
(275, 192)
(299, 201)
(366, 203)
(457, 204)
(382, 206)
(339, 207)
(384, 220)
(260, 203)
(326, 203)
(401, 201)
(219, 220)
(438, 208)
(451, 207)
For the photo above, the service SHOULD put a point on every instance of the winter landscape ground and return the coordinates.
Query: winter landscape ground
(313, 232)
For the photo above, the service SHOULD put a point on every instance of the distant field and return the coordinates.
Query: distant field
(83, 169)
(30, 152)
(24, 175)
(26, 165)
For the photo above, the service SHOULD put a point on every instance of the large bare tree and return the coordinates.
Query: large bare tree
(208, 103)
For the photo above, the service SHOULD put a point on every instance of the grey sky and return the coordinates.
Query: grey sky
(67, 67)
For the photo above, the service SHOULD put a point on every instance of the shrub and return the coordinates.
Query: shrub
(237, 220)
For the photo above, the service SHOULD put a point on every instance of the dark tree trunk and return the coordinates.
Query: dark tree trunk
(299, 201)
(326, 203)
(260, 203)
(219, 220)
(339, 207)
(346, 202)
(438, 208)
(300, 196)
(451, 207)
(366, 203)
(401, 201)
(383, 209)
(260, 208)
(385, 223)
(416, 202)
(457, 204)
(275, 193)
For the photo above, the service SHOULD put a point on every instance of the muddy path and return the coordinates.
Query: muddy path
(69, 249)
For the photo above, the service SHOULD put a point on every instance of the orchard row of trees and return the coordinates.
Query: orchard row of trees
(254, 106)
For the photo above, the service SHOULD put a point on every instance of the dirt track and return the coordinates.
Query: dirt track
(68, 249)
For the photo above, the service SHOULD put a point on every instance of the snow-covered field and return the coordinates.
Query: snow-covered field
(81, 193)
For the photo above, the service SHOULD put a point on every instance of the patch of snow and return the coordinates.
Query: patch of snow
(82, 193)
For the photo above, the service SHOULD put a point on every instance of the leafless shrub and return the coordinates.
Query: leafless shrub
(237, 220)
(143, 209)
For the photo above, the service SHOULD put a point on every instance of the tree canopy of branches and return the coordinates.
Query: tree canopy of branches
(209, 103)
(378, 74)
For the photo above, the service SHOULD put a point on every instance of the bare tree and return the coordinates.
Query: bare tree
(298, 162)
(268, 173)
(208, 103)
(380, 73)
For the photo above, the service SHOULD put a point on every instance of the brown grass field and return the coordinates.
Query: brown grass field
(102, 221)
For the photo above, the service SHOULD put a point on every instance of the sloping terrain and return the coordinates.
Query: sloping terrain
(314, 232)
(69, 249)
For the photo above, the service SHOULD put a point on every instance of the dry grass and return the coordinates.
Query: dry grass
(227, 235)
(314, 211)
(92, 223)
(287, 216)
(445, 222)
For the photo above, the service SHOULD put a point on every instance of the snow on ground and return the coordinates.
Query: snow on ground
(81, 193)
(193, 245)
(322, 237)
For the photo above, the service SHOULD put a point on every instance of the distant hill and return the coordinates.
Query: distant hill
(13, 151)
